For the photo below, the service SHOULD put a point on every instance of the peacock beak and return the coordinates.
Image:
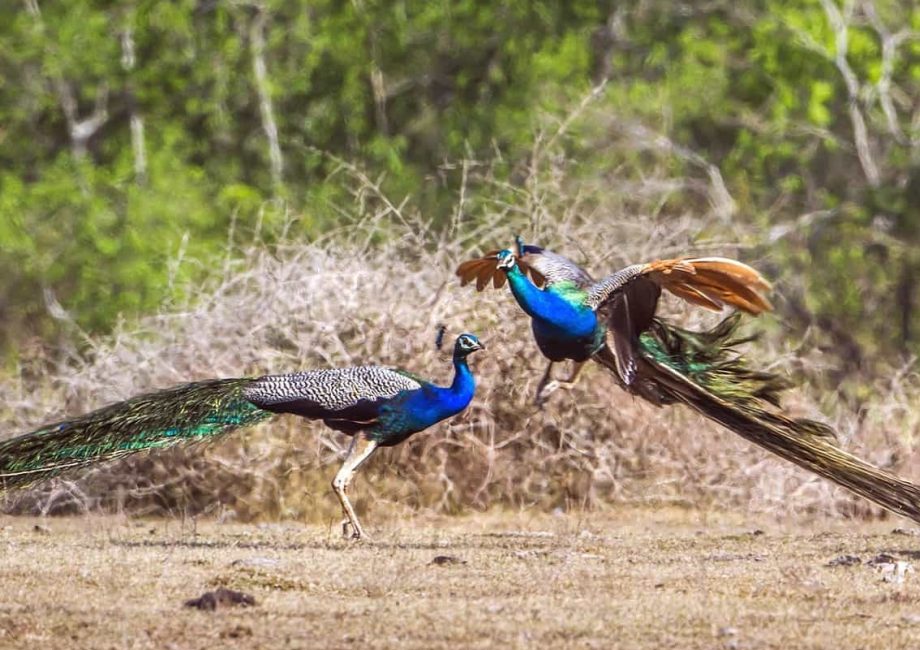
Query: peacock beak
(505, 262)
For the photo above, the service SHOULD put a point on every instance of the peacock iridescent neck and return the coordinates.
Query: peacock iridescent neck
(562, 305)
(464, 385)
(417, 410)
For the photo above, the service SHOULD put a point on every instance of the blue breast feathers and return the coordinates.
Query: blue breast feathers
(560, 308)
(415, 410)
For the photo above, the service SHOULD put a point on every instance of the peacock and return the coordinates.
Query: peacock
(612, 321)
(377, 406)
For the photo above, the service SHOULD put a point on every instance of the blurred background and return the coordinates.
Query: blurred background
(218, 187)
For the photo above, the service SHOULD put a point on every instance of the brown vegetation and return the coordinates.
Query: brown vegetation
(374, 292)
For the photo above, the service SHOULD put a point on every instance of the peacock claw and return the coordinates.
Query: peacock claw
(353, 533)
(545, 391)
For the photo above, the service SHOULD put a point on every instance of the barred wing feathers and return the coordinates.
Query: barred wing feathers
(345, 398)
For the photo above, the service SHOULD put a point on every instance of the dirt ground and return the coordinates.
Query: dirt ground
(629, 579)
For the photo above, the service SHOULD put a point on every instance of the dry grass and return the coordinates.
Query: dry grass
(373, 292)
(629, 579)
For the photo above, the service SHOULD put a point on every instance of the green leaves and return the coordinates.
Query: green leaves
(405, 90)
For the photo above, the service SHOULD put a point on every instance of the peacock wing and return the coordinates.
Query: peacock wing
(710, 282)
(352, 394)
(544, 267)
(627, 312)
(626, 300)
(552, 267)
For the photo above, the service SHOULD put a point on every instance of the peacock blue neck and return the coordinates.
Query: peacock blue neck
(417, 410)
(562, 305)
(464, 384)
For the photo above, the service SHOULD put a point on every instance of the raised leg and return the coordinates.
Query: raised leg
(359, 451)
(547, 387)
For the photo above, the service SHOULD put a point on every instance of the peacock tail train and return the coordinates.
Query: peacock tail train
(703, 371)
(196, 411)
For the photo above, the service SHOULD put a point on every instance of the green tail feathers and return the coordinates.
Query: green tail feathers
(703, 371)
(189, 412)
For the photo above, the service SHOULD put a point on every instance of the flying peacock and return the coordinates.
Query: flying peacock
(378, 406)
(613, 322)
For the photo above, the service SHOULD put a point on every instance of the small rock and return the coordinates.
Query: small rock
(913, 619)
(728, 631)
(446, 560)
(845, 560)
(211, 600)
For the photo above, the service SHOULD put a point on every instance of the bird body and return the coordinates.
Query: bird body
(376, 405)
(386, 404)
(575, 317)
(665, 364)
(425, 406)
(564, 326)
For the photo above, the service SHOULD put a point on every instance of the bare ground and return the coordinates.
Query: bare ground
(631, 579)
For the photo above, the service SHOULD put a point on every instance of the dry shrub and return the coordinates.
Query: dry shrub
(374, 292)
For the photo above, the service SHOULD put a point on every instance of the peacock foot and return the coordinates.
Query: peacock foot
(353, 532)
(545, 391)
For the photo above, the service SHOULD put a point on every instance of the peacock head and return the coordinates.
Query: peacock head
(506, 260)
(467, 344)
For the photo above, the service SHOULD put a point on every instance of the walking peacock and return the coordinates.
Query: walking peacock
(376, 405)
(612, 321)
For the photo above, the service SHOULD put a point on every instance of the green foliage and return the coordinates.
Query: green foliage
(401, 88)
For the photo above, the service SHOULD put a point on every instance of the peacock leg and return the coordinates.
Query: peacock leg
(359, 451)
(544, 381)
(548, 387)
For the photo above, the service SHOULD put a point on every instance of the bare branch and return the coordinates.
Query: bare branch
(722, 202)
(840, 22)
(890, 44)
(80, 130)
(128, 61)
(257, 47)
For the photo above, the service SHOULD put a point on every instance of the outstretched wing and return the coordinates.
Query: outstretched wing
(544, 267)
(710, 282)
(627, 299)
(345, 398)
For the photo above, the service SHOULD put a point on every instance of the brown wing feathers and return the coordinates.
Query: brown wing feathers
(713, 282)
(483, 269)
(710, 282)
